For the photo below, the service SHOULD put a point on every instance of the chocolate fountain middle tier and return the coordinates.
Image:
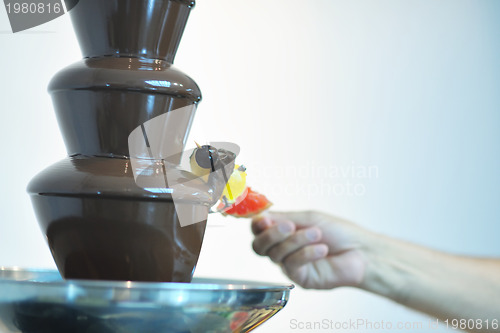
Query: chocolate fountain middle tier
(100, 101)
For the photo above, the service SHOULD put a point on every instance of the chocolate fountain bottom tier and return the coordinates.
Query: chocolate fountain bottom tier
(108, 238)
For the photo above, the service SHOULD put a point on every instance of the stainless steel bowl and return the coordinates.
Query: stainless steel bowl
(40, 301)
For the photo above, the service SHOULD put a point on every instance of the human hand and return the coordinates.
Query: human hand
(315, 250)
(319, 251)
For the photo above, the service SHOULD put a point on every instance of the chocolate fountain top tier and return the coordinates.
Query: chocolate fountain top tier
(130, 28)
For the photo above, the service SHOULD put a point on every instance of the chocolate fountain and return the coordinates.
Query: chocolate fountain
(123, 215)
(99, 222)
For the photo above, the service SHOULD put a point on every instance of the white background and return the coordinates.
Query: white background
(411, 88)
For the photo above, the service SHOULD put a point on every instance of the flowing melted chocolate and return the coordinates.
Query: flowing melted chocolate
(100, 224)
(116, 239)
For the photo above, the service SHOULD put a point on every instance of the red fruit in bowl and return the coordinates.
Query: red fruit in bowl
(238, 319)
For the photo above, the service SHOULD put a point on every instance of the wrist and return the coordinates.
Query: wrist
(388, 271)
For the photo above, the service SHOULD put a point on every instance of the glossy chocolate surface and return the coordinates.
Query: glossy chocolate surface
(100, 224)
(113, 177)
(99, 102)
(104, 238)
(130, 28)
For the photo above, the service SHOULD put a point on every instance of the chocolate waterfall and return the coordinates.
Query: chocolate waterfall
(99, 223)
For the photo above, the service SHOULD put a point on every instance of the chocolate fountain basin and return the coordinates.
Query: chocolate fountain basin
(37, 301)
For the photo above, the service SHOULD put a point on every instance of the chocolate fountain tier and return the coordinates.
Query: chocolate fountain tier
(130, 28)
(101, 225)
(117, 239)
(99, 102)
(39, 301)
(151, 76)
(102, 177)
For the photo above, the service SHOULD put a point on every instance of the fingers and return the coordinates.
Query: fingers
(266, 220)
(289, 238)
(272, 236)
(300, 219)
(294, 243)
(261, 223)
(276, 233)
(304, 256)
